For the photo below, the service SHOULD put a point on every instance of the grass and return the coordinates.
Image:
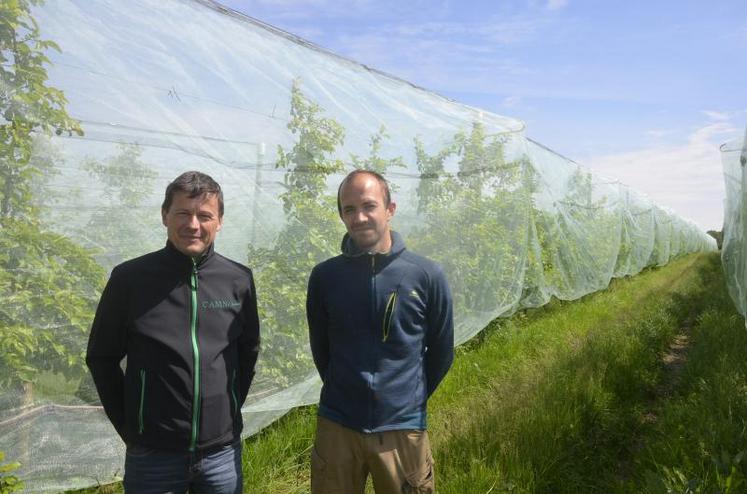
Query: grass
(698, 441)
(555, 399)
(550, 404)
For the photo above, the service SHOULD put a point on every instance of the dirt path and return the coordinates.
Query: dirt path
(673, 361)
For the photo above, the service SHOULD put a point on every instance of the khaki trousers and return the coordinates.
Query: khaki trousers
(400, 462)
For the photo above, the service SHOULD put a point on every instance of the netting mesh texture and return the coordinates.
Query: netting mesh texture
(161, 87)
(734, 247)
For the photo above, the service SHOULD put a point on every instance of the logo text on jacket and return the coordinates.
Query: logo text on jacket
(220, 304)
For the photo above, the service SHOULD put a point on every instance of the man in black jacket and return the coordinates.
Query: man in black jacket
(185, 318)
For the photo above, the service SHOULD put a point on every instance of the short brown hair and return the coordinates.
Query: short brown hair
(379, 178)
(195, 184)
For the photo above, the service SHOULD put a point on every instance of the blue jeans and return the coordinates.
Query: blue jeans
(152, 471)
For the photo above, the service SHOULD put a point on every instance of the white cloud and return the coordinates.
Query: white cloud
(717, 116)
(423, 42)
(687, 178)
(447, 56)
(511, 31)
(737, 37)
(437, 63)
(556, 4)
(488, 32)
(511, 101)
(659, 133)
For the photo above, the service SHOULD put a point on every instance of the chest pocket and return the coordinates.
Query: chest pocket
(391, 306)
(403, 316)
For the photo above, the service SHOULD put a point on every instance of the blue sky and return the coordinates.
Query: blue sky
(644, 92)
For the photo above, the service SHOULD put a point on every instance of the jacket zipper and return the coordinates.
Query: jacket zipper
(196, 358)
(373, 346)
(141, 408)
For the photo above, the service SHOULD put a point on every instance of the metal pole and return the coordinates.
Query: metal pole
(255, 199)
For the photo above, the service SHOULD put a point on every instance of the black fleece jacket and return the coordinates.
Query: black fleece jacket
(190, 332)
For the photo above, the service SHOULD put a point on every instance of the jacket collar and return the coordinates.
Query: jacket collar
(182, 259)
(349, 249)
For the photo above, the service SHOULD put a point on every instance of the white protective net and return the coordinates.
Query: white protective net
(164, 86)
(734, 247)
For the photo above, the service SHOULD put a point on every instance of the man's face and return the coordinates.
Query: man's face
(364, 213)
(192, 222)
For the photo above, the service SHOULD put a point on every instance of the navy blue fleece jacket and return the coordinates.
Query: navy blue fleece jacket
(382, 336)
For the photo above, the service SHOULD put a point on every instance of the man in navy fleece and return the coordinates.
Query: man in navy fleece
(382, 337)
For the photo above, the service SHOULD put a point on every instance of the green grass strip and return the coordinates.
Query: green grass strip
(697, 442)
(552, 404)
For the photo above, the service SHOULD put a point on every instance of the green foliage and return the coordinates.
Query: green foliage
(582, 241)
(27, 103)
(311, 233)
(310, 161)
(54, 387)
(487, 200)
(663, 231)
(431, 188)
(718, 235)
(726, 476)
(481, 160)
(122, 226)
(375, 162)
(48, 284)
(511, 251)
(8, 482)
(48, 291)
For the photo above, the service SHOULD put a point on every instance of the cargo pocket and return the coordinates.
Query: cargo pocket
(421, 481)
(417, 465)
